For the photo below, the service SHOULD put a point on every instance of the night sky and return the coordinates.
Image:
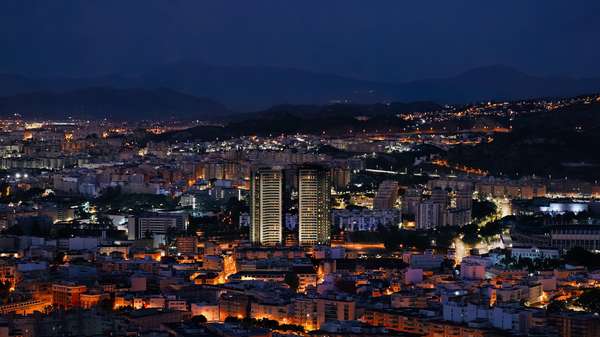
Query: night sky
(391, 40)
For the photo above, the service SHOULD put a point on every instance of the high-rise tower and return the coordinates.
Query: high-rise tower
(266, 206)
(314, 194)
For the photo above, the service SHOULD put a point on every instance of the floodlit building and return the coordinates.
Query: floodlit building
(266, 206)
(314, 194)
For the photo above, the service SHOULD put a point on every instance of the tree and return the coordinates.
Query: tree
(470, 233)
(393, 238)
(59, 258)
(583, 257)
(292, 280)
(107, 304)
(483, 208)
(491, 228)
(4, 291)
(556, 306)
(590, 300)
(109, 194)
(346, 286)
(291, 327)
(267, 323)
(148, 234)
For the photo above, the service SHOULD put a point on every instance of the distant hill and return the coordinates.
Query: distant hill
(561, 143)
(249, 88)
(253, 88)
(340, 110)
(497, 83)
(116, 104)
(289, 119)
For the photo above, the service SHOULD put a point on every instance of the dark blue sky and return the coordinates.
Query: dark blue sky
(373, 39)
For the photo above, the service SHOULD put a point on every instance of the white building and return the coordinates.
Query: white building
(426, 260)
(156, 224)
(366, 219)
(534, 253)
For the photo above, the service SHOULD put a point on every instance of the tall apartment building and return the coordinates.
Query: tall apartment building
(387, 194)
(340, 177)
(433, 211)
(410, 201)
(430, 214)
(440, 196)
(464, 198)
(314, 194)
(442, 208)
(266, 206)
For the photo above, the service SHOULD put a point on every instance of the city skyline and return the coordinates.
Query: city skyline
(179, 168)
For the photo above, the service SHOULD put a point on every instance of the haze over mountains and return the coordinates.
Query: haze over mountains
(253, 88)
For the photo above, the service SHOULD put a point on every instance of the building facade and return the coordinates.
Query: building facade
(266, 207)
(314, 194)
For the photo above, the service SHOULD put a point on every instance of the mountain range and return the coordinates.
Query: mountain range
(114, 104)
(254, 88)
